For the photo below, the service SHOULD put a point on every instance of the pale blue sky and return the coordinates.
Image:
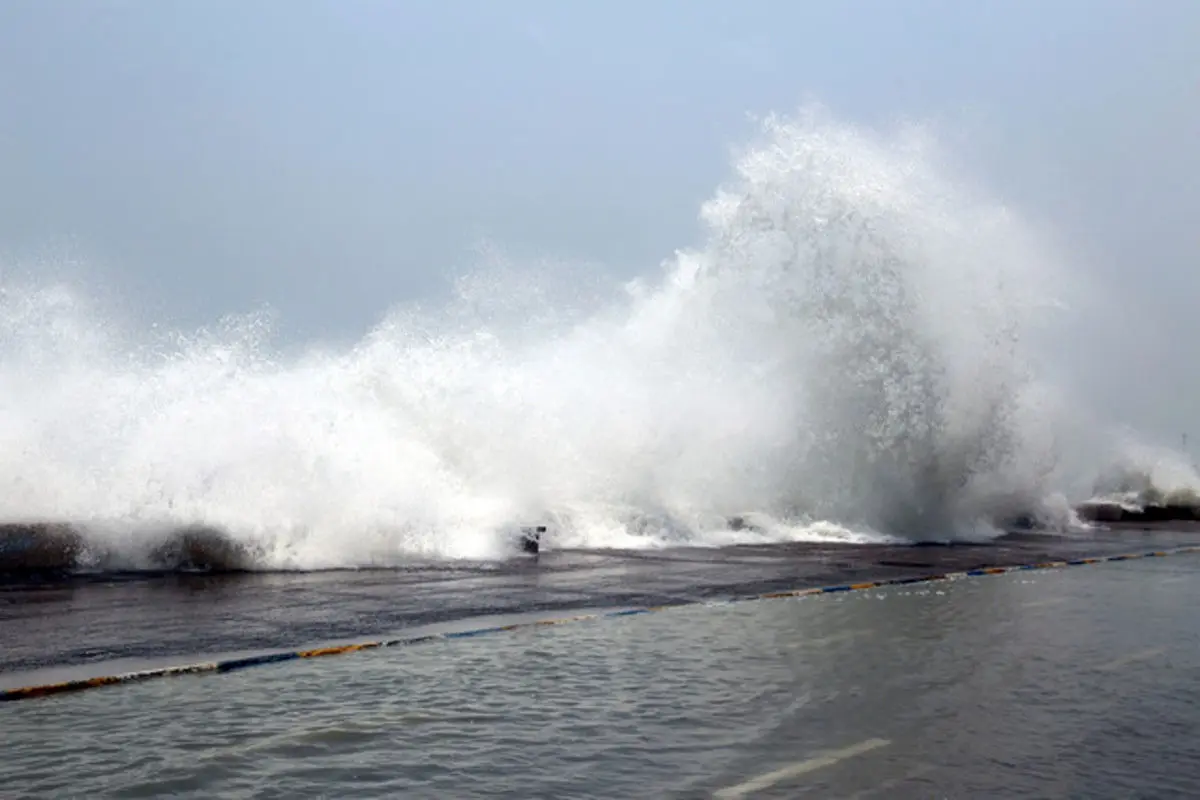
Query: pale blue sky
(331, 158)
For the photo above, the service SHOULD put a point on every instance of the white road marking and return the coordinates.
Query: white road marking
(1132, 658)
(825, 641)
(1049, 601)
(838, 638)
(798, 769)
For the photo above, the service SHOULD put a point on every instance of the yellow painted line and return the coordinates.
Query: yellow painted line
(798, 769)
(338, 650)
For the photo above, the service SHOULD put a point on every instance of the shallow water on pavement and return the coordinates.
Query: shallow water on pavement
(1080, 682)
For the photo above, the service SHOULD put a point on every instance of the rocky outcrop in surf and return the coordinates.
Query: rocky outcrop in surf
(1159, 487)
(60, 548)
(1116, 511)
(39, 547)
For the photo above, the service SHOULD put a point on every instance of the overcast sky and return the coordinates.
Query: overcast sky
(331, 158)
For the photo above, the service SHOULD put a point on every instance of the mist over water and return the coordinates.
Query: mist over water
(852, 352)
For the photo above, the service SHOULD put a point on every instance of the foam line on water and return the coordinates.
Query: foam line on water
(247, 662)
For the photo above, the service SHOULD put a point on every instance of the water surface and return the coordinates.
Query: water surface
(1080, 682)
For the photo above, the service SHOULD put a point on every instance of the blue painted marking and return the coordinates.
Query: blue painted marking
(831, 589)
(628, 613)
(254, 661)
(417, 639)
(475, 632)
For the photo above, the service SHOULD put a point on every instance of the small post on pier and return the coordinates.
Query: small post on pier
(531, 539)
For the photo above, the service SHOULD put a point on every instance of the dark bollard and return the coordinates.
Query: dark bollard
(531, 539)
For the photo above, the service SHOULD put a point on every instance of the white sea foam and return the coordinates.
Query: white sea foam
(850, 354)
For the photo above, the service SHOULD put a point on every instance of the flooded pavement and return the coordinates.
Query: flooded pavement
(88, 622)
(1073, 683)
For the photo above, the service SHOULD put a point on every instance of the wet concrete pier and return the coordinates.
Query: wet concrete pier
(51, 617)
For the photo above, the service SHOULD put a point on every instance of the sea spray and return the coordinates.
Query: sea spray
(900, 303)
(852, 352)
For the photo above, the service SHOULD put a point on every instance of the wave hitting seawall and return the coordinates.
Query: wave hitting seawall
(847, 355)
